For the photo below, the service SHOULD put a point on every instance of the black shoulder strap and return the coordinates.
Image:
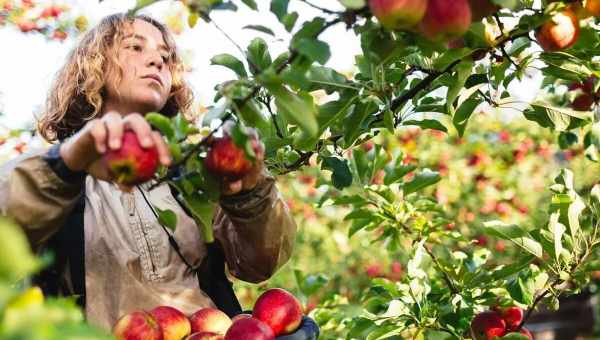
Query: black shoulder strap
(211, 272)
(67, 247)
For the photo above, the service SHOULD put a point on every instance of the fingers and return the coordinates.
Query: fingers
(163, 150)
(114, 128)
(232, 188)
(142, 129)
(99, 135)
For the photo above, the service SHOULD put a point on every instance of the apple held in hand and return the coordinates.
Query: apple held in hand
(487, 325)
(210, 320)
(249, 329)
(225, 158)
(137, 326)
(446, 20)
(279, 309)
(398, 14)
(174, 324)
(131, 164)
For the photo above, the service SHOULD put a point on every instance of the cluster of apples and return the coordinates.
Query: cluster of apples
(437, 20)
(133, 164)
(276, 312)
(498, 322)
(586, 96)
(445, 21)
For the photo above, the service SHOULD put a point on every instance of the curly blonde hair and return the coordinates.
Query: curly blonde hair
(77, 93)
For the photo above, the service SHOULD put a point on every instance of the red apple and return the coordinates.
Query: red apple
(205, 336)
(249, 329)
(446, 20)
(585, 99)
(512, 316)
(225, 158)
(174, 324)
(560, 32)
(593, 7)
(279, 309)
(398, 14)
(137, 326)
(487, 325)
(210, 320)
(131, 164)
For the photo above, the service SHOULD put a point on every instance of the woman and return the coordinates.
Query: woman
(111, 251)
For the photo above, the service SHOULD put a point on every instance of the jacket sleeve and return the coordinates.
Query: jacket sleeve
(38, 192)
(256, 231)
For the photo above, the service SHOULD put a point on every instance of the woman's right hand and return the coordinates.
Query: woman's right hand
(83, 151)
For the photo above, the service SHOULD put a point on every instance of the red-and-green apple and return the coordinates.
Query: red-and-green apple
(210, 320)
(279, 309)
(249, 329)
(446, 20)
(138, 325)
(487, 325)
(398, 14)
(241, 316)
(174, 324)
(131, 164)
(527, 333)
(512, 316)
(560, 32)
(225, 158)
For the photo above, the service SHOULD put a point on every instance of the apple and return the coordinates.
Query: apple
(137, 325)
(210, 320)
(487, 325)
(279, 309)
(398, 14)
(560, 32)
(249, 329)
(512, 316)
(204, 336)
(131, 164)
(225, 158)
(174, 324)
(446, 20)
(585, 99)
(593, 7)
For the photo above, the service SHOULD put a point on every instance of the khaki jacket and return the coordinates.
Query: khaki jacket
(129, 263)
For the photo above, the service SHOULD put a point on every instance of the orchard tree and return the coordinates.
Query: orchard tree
(425, 63)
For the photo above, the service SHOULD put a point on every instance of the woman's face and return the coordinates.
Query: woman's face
(146, 81)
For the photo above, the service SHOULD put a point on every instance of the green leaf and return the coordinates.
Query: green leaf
(203, 211)
(463, 113)
(463, 71)
(557, 229)
(258, 55)
(279, 8)
(231, 62)
(251, 4)
(298, 108)
(341, 177)
(421, 181)
(162, 123)
(309, 284)
(515, 234)
(167, 218)
(353, 4)
(427, 124)
(260, 28)
(313, 49)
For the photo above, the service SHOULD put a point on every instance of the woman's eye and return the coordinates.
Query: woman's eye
(165, 58)
(136, 47)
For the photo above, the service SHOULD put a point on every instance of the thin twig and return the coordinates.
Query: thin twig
(449, 282)
(322, 9)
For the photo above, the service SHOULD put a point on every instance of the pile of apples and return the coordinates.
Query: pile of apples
(276, 312)
(498, 322)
